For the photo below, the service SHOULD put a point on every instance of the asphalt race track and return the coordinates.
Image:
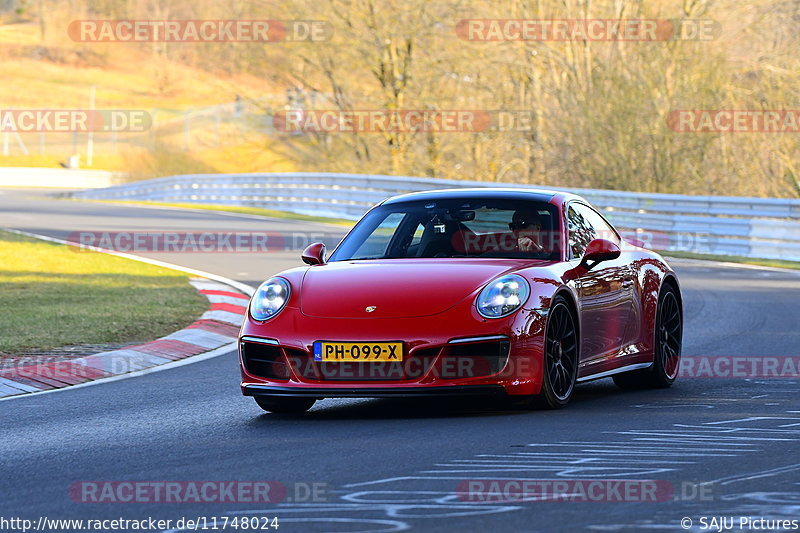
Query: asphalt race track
(394, 465)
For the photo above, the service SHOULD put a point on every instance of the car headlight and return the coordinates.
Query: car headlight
(503, 296)
(269, 299)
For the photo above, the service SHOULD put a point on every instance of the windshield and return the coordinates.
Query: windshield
(455, 228)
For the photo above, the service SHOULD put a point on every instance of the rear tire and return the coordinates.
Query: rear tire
(667, 347)
(288, 405)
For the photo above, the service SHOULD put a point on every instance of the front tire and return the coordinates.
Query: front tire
(277, 404)
(667, 347)
(560, 356)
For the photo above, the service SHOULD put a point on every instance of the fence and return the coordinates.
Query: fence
(751, 227)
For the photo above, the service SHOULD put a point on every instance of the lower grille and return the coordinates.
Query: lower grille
(264, 361)
(472, 360)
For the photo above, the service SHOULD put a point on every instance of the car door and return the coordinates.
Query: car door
(605, 292)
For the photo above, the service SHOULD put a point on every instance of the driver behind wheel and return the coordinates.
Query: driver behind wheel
(526, 225)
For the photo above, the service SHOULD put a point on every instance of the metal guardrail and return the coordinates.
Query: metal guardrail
(752, 227)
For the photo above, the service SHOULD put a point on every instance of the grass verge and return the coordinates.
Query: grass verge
(53, 295)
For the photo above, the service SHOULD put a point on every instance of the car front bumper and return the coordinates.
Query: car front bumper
(443, 351)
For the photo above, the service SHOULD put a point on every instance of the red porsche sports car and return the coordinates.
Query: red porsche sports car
(514, 292)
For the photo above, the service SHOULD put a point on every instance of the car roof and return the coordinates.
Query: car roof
(515, 193)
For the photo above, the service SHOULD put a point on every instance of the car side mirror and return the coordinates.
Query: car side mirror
(314, 254)
(599, 250)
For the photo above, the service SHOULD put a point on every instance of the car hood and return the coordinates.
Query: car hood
(396, 288)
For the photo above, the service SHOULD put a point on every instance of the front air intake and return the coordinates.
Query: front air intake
(264, 360)
(472, 360)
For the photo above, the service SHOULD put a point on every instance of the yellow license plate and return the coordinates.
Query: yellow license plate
(359, 352)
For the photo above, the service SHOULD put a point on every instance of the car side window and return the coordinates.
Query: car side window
(581, 232)
(603, 229)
